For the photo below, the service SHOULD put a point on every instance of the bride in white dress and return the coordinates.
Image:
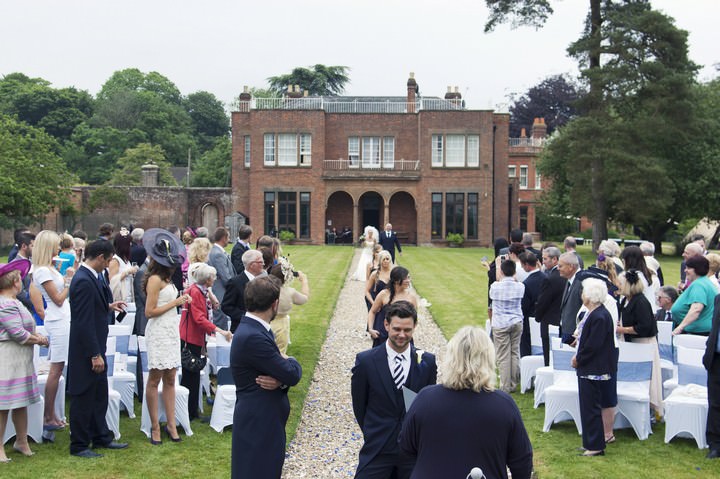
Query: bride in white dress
(371, 237)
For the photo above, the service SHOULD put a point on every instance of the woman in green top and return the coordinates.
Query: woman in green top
(692, 312)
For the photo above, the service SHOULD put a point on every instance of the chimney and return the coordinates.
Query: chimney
(150, 173)
(412, 91)
(294, 91)
(245, 98)
(523, 133)
(453, 93)
(539, 128)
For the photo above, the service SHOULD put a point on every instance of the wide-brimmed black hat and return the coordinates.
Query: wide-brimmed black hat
(164, 247)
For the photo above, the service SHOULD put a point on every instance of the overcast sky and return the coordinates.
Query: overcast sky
(221, 45)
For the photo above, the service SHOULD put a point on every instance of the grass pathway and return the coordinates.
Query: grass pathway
(328, 439)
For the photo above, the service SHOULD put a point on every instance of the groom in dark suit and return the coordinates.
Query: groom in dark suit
(90, 304)
(377, 395)
(262, 376)
(389, 241)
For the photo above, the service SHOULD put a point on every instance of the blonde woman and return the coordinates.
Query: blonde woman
(54, 288)
(198, 253)
(441, 429)
(379, 279)
(289, 296)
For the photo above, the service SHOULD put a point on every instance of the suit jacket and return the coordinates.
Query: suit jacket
(713, 338)
(533, 286)
(569, 307)
(390, 243)
(378, 405)
(547, 308)
(236, 257)
(220, 260)
(258, 437)
(137, 254)
(89, 309)
(233, 304)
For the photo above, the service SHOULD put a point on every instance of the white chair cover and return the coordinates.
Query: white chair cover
(691, 341)
(633, 387)
(112, 415)
(561, 399)
(181, 398)
(544, 374)
(224, 407)
(529, 364)
(686, 409)
(35, 413)
(123, 380)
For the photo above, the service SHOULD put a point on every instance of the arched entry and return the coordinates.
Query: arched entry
(339, 218)
(370, 210)
(403, 216)
(210, 216)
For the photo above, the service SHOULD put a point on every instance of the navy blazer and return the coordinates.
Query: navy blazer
(713, 337)
(378, 405)
(236, 257)
(547, 308)
(569, 307)
(233, 303)
(390, 243)
(533, 286)
(89, 309)
(596, 353)
(258, 439)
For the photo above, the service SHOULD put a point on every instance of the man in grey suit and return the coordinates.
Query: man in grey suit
(571, 301)
(220, 260)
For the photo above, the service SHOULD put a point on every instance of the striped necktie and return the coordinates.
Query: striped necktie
(398, 372)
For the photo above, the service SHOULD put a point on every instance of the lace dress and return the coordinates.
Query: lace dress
(360, 273)
(162, 334)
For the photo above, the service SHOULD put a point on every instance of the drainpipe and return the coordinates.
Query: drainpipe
(492, 230)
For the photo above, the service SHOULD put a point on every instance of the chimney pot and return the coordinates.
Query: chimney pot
(305, 93)
(449, 90)
(523, 133)
(246, 89)
(290, 88)
(412, 74)
(457, 89)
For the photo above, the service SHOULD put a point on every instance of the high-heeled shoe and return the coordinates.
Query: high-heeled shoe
(173, 439)
(592, 454)
(154, 442)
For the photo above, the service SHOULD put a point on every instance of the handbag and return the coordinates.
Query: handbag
(188, 360)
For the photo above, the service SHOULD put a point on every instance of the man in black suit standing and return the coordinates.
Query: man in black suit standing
(90, 304)
(389, 241)
(533, 284)
(568, 267)
(376, 386)
(242, 245)
(547, 308)
(233, 303)
(711, 360)
(262, 376)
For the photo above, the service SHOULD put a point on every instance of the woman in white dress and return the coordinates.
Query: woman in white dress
(366, 257)
(162, 332)
(54, 288)
(120, 270)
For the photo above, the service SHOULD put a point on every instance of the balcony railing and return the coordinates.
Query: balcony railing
(398, 165)
(527, 142)
(333, 106)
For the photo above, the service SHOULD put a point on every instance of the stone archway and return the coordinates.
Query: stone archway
(371, 210)
(339, 218)
(403, 216)
(210, 216)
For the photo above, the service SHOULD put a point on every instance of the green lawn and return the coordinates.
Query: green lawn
(456, 285)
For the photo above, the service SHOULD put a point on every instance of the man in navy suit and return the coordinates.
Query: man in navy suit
(547, 308)
(568, 266)
(233, 303)
(90, 304)
(533, 283)
(262, 376)
(389, 241)
(242, 245)
(377, 395)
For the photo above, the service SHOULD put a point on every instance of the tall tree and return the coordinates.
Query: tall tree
(553, 98)
(208, 118)
(35, 179)
(213, 168)
(632, 40)
(318, 80)
(129, 172)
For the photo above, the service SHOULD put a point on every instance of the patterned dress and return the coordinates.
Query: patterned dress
(18, 382)
(162, 334)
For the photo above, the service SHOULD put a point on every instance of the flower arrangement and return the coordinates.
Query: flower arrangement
(455, 239)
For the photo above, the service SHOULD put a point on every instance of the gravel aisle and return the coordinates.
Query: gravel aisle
(328, 438)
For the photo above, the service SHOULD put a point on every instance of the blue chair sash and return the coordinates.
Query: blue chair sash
(122, 343)
(634, 371)
(688, 374)
(562, 359)
(222, 357)
(666, 351)
(144, 360)
(110, 364)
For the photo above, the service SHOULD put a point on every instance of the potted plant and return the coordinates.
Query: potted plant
(455, 240)
(287, 236)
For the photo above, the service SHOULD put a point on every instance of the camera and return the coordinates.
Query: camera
(295, 273)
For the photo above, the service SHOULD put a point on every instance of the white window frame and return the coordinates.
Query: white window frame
(473, 150)
(371, 152)
(305, 149)
(437, 150)
(247, 151)
(512, 171)
(523, 177)
(455, 151)
(353, 151)
(269, 149)
(388, 152)
(287, 149)
(538, 180)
